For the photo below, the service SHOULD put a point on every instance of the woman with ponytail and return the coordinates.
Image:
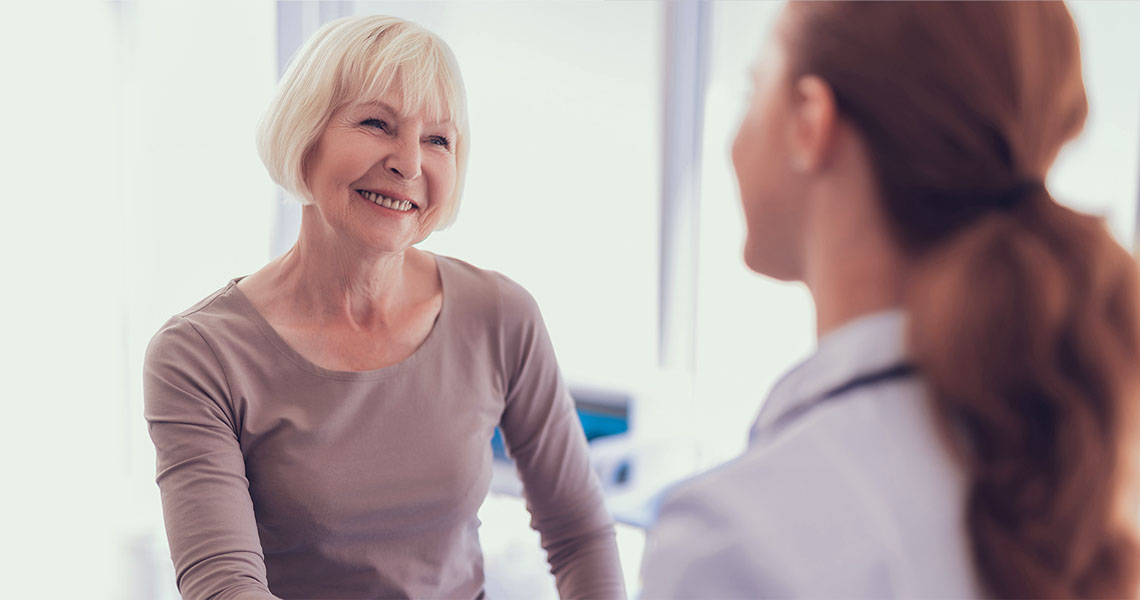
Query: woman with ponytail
(966, 427)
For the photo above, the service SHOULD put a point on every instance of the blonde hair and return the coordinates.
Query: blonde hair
(360, 59)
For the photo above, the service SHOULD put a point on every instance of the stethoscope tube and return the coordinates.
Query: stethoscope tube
(793, 414)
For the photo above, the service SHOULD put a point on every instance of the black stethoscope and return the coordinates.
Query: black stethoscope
(899, 371)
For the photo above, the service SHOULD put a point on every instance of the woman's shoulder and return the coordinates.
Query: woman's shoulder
(796, 485)
(487, 291)
(853, 465)
(765, 525)
(835, 501)
(219, 313)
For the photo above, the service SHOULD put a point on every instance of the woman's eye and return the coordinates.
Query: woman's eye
(377, 123)
(441, 141)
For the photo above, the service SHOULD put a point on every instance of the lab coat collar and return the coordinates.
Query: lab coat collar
(868, 344)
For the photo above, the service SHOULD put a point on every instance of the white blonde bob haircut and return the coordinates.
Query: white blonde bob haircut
(354, 60)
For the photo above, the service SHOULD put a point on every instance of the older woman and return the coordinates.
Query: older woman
(967, 426)
(323, 425)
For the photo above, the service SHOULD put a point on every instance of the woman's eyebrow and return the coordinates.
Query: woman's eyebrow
(400, 115)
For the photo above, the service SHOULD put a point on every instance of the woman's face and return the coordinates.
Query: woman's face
(771, 190)
(380, 177)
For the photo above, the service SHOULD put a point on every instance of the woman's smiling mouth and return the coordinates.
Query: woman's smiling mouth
(386, 202)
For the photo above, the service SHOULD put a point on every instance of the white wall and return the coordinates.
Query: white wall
(133, 189)
(1099, 171)
(63, 446)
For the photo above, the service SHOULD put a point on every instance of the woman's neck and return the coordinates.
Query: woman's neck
(852, 265)
(330, 281)
(842, 296)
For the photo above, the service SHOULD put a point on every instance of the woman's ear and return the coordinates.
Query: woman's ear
(813, 123)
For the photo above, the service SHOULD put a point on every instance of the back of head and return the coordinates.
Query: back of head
(1025, 316)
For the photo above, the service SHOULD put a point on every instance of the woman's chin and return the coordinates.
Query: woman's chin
(776, 265)
(383, 237)
(375, 244)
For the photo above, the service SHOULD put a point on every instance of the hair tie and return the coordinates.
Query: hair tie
(1016, 194)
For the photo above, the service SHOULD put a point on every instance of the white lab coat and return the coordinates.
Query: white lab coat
(846, 491)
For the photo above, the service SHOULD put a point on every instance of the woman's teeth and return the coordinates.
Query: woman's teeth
(400, 205)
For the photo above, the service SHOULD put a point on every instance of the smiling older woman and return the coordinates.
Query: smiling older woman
(323, 425)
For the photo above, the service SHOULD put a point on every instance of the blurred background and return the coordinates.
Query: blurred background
(599, 179)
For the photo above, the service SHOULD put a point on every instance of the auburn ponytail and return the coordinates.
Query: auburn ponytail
(1024, 326)
(1024, 315)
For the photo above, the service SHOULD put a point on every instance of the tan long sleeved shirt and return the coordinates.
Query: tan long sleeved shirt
(280, 478)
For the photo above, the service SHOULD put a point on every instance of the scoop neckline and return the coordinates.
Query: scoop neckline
(293, 355)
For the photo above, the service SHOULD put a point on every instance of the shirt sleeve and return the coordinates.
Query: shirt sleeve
(209, 516)
(544, 437)
(695, 550)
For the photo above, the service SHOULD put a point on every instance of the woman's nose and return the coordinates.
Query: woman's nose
(405, 160)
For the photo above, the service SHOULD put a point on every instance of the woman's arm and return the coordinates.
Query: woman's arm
(545, 439)
(209, 517)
